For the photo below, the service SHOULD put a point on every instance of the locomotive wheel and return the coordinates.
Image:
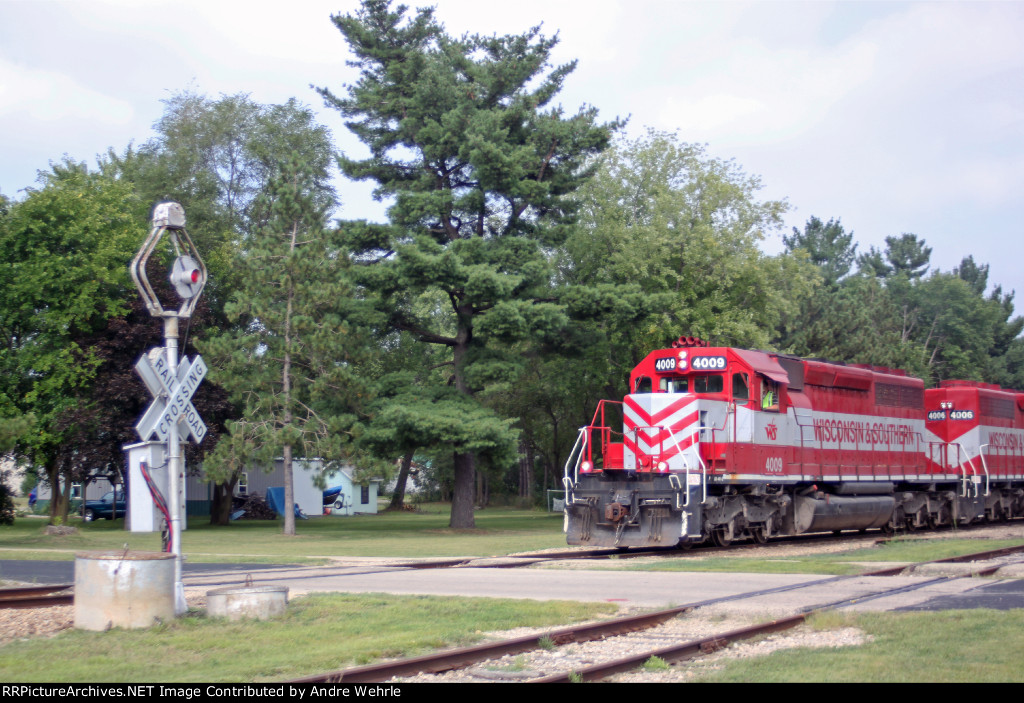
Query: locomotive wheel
(719, 538)
(759, 534)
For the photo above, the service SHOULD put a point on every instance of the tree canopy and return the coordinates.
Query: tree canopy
(290, 359)
(63, 254)
(464, 138)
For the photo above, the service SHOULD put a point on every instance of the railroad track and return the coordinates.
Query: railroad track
(45, 596)
(677, 651)
(37, 596)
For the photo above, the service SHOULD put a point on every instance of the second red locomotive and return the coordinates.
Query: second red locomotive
(718, 443)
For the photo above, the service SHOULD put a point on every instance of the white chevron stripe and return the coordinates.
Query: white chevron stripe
(634, 419)
(644, 415)
(647, 440)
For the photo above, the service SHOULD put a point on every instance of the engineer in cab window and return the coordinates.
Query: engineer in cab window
(769, 395)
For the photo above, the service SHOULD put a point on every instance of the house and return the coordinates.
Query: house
(354, 497)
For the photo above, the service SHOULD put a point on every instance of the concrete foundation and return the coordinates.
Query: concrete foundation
(123, 589)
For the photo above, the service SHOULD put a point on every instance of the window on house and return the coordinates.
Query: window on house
(365, 497)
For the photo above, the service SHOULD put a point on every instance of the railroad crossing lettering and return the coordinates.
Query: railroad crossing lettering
(172, 397)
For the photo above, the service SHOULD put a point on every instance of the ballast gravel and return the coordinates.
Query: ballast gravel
(693, 626)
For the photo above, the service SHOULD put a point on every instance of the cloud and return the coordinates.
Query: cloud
(48, 96)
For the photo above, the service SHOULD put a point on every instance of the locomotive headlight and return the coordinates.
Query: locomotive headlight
(586, 466)
(662, 466)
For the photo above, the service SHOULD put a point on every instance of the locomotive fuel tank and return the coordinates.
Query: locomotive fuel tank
(823, 512)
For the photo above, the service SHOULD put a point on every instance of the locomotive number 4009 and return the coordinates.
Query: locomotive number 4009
(709, 363)
(667, 363)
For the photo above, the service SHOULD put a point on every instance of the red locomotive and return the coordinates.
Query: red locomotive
(721, 443)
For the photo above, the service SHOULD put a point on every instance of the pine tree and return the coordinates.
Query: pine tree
(463, 137)
(291, 358)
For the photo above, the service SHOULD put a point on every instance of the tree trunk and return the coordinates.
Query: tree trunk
(286, 387)
(463, 491)
(289, 492)
(525, 468)
(483, 496)
(65, 502)
(52, 477)
(398, 498)
(60, 495)
(220, 508)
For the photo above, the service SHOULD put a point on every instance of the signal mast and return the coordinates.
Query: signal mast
(171, 384)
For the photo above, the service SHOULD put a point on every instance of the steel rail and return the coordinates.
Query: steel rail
(711, 644)
(460, 658)
(673, 653)
(36, 596)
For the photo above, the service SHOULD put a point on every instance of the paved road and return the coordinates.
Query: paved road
(632, 588)
(43, 572)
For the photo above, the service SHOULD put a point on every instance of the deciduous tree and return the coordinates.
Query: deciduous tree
(64, 250)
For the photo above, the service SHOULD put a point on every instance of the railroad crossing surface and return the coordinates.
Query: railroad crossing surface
(777, 594)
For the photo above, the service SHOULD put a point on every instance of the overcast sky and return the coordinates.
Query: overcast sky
(894, 117)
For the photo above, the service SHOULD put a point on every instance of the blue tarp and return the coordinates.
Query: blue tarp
(275, 499)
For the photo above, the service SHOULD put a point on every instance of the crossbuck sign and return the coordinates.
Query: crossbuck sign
(172, 396)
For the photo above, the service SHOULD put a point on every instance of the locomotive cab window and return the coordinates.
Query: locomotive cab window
(708, 383)
(674, 385)
(769, 395)
(642, 385)
(740, 387)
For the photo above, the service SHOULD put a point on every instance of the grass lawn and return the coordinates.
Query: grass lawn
(317, 634)
(961, 646)
(499, 531)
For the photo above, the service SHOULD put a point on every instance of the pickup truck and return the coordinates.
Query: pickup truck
(106, 507)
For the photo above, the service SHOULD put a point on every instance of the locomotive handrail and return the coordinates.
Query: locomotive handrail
(636, 430)
(703, 467)
(963, 473)
(984, 465)
(603, 427)
(581, 436)
(703, 473)
(673, 483)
